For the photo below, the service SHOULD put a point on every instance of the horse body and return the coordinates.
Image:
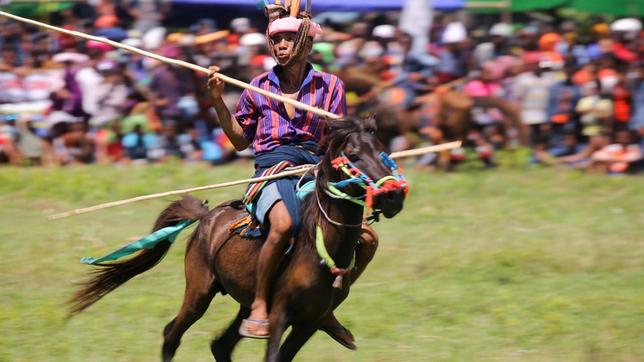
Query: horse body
(218, 261)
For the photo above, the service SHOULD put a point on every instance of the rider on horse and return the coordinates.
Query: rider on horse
(279, 132)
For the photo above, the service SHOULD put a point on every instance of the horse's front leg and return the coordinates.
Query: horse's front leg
(299, 335)
(277, 325)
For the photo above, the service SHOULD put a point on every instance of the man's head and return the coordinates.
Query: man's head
(291, 39)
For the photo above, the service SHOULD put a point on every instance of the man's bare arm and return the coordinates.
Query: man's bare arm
(230, 126)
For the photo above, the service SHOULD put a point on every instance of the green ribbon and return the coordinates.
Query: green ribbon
(169, 233)
(324, 254)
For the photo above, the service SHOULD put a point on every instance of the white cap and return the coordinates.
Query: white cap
(269, 63)
(384, 31)
(454, 33)
(133, 42)
(153, 38)
(371, 49)
(252, 39)
(240, 25)
(501, 29)
(626, 25)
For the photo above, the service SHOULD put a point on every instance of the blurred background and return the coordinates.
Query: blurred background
(531, 248)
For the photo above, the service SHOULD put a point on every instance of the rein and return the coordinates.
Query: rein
(395, 181)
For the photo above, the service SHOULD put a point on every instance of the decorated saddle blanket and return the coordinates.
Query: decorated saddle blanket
(273, 162)
(248, 227)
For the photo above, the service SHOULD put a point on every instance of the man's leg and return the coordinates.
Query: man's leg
(256, 325)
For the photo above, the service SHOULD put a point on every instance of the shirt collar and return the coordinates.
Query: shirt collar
(310, 73)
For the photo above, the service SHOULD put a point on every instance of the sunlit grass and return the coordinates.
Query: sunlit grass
(509, 264)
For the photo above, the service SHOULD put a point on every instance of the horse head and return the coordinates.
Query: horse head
(356, 163)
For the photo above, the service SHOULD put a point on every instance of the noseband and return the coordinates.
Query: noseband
(395, 181)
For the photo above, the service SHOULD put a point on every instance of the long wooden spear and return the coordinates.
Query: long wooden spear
(295, 171)
(177, 62)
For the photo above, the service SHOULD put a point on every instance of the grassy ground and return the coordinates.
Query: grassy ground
(505, 265)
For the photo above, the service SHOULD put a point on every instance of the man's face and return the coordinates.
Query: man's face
(283, 46)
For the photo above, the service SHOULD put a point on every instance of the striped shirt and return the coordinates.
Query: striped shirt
(267, 124)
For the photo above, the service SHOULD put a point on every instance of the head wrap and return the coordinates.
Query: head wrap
(292, 25)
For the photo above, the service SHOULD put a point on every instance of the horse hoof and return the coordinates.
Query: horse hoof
(342, 336)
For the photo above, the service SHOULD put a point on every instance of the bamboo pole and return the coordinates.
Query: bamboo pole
(290, 172)
(179, 63)
(295, 8)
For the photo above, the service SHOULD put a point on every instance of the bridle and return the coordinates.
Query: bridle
(393, 182)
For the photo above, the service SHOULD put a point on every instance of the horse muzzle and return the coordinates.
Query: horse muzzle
(390, 202)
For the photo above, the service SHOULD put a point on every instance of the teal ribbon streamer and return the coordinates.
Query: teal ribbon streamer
(169, 233)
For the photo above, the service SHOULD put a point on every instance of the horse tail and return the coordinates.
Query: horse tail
(111, 276)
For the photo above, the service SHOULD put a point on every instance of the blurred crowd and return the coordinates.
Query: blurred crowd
(572, 92)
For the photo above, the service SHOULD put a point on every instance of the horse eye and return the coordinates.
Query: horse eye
(353, 157)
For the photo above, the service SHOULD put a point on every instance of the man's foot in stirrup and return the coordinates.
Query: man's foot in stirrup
(331, 326)
(254, 328)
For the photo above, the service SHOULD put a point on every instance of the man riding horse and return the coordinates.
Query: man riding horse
(278, 132)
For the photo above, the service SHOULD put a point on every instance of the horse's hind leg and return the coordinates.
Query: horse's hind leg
(222, 347)
(299, 335)
(200, 289)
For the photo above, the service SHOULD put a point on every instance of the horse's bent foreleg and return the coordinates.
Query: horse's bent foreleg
(299, 335)
(200, 289)
(223, 346)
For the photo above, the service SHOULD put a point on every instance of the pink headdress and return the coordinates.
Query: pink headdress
(292, 25)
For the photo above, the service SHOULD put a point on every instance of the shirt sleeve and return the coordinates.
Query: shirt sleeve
(246, 115)
(338, 99)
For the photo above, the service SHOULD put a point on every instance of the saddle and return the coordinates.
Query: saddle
(249, 227)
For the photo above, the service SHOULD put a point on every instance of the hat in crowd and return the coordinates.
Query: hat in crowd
(600, 28)
(252, 39)
(98, 46)
(153, 38)
(501, 29)
(106, 66)
(240, 25)
(548, 41)
(133, 42)
(292, 25)
(170, 51)
(454, 33)
(371, 49)
(626, 25)
(384, 31)
(70, 57)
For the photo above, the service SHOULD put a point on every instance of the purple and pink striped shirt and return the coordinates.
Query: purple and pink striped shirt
(267, 124)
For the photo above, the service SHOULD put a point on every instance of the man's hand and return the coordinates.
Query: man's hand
(215, 85)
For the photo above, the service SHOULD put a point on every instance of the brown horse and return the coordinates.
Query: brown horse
(218, 261)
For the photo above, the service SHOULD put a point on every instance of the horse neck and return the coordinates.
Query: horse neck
(341, 241)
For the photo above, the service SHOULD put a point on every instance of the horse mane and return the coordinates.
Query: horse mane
(338, 132)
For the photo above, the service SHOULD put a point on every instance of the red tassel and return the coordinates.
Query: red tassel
(369, 197)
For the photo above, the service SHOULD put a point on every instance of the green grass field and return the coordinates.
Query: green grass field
(512, 264)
